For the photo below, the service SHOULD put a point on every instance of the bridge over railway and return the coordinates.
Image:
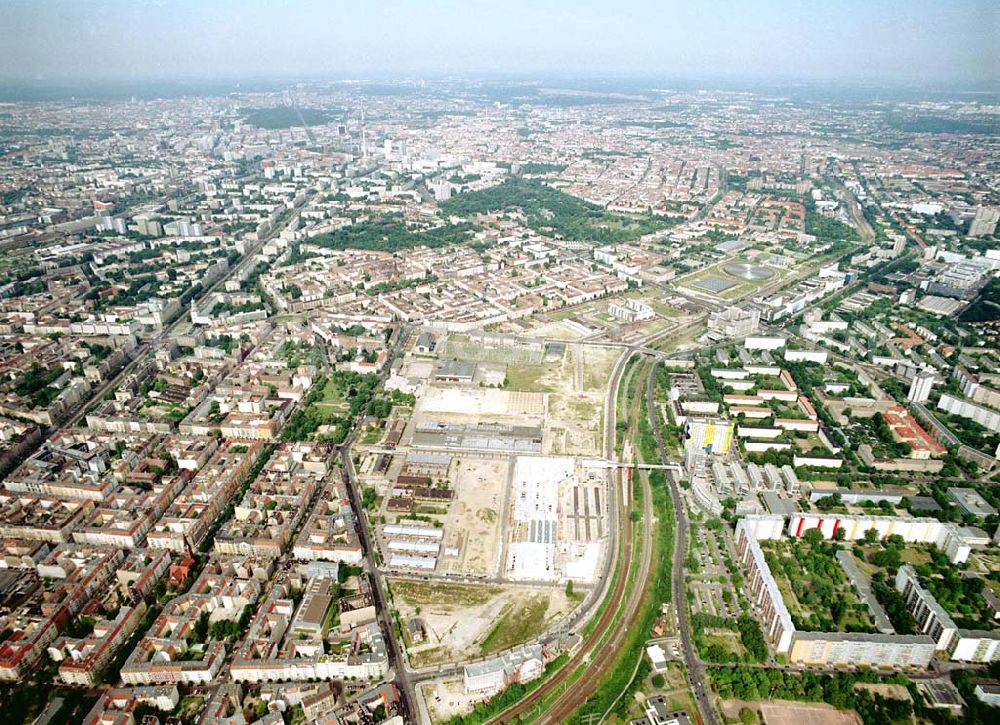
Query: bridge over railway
(489, 453)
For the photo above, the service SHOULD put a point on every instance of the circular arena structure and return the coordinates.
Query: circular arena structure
(743, 270)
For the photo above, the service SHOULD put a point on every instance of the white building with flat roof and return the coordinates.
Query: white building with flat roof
(630, 311)
(519, 665)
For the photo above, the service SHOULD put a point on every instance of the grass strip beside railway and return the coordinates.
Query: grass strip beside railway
(637, 534)
(626, 392)
(623, 680)
(635, 376)
(588, 628)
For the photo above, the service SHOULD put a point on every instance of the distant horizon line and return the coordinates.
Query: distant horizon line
(412, 76)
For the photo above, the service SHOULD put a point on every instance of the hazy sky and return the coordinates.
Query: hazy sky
(864, 40)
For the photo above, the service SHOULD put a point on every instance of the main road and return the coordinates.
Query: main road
(695, 668)
(403, 682)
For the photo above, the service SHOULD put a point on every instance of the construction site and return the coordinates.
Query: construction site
(488, 499)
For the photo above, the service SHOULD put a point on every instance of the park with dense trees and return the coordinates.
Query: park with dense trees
(550, 211)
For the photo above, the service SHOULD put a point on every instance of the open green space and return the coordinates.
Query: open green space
(827, 229)
(724, 639)
(875, 431)
(391, 234)
(744, 683)
(550, 211)
(296, 354)
(332, 397)
(814, 586)
(968, 431)
(442, 593)
(528, 378)
(334, 401)
(517, 624)
(958, 594)
(565, 314)
(739, 288)
(280, 117)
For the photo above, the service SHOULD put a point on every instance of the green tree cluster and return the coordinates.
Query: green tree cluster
(390, 234)
(548, 210)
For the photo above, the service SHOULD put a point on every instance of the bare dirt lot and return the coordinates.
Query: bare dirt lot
(490, 402)
(560, 330)
(447, 699)
(576, 385)
(472, 526)
(418, 368)
(563, 391)
(784, 712)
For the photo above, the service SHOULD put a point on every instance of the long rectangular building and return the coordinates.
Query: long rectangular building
(986, 417)
(860, 649)
(962, 645)
(916, 530)
(761, 587)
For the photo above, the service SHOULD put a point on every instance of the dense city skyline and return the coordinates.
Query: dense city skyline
(551, 363)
